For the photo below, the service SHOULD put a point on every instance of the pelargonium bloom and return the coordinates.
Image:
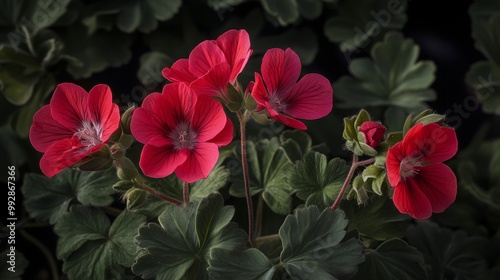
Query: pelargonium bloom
(373, 132)
(285, 99)
(213, 64)
(422, 183)
(182, 133)
(73, 126)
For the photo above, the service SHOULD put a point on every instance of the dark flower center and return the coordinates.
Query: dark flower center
(183, 136)
(409, 167)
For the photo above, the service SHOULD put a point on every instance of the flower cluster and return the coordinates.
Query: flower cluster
(183, 127)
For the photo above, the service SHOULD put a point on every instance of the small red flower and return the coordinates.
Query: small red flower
(286, 99)
(213, 64)
(182, 132)
(422, 183)
(373, 132)
(73, 126)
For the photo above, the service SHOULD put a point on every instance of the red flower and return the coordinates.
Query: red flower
(422, 183)
(182, 132)
(373, 132)
(73, 126)
(213, 64)
(286, 99)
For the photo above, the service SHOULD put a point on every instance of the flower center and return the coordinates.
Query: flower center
(276, 103)
(408, 167)
(183, 137)
(89, 134)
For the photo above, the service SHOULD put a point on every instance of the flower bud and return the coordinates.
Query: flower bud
(373, 133)
(126, 119)
(99, 160)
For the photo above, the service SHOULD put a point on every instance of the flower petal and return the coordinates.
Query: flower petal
(103, 112)
(311, 98)
(178, 101)
(69, 105)
(45, 131)
(179, 72)
(225, 136)
(64, 154)
(209, 118)
(146, 127)
(205, 56)
(199, 163)
(431, 142)
(393, 164)
(280, 70)
(235, 44)
(214, 82)
(259, 93)
(159, 162)
(285, 119)
(409, 199)
(439, 184)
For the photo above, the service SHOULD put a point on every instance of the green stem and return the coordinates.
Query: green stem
(258, 219)
(185, 192)
(158, 194)
(48, 255)
(244, 166)
(266, 238)
(355, 164)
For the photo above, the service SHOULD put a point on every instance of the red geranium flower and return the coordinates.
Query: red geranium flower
(213, 64)
(182, 132)
(373, 132)
(73, 126)
(286, 99)
(422, 183)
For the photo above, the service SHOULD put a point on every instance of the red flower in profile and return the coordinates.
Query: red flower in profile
(373, 132)
(422, 183)
(182, 132)
(73, 126)
(286, 99)
(213, 64)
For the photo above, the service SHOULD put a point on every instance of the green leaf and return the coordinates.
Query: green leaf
(182, 243)
(223, 5)
(393, 260)
(392, 77)
(296, 144)
(487, 36)
(451, 255)
(359, 23)
(310, 9)
(15, 269)
(38, 14)
(248, 264)
(16, 86)
(312, 245)
(95, 52)
(285, 11)
(317, 181)
(93, 248)
(268, 165)
(484, 78)
(151, 65)
(47, 199)
(377, 220)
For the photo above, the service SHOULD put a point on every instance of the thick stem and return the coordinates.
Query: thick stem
(355, 164)
(185, 192)
(158, 194)
(244, 166)
(258, 218)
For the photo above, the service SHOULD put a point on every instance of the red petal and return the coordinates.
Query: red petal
(311, 98)
(159, 162)
(179, 72)
(439, 185)
(393, 163)
(45, 131)
(69, 105)
(225, 136)
(259, 93)
(431, 142)
(209, 118)
(280, 70)
(205, 56)
(102, 110)
(409, 199)
(235, 44)
(199, 163)
(285, 119)
(145, 126)
(213, 83)
(64, 154)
